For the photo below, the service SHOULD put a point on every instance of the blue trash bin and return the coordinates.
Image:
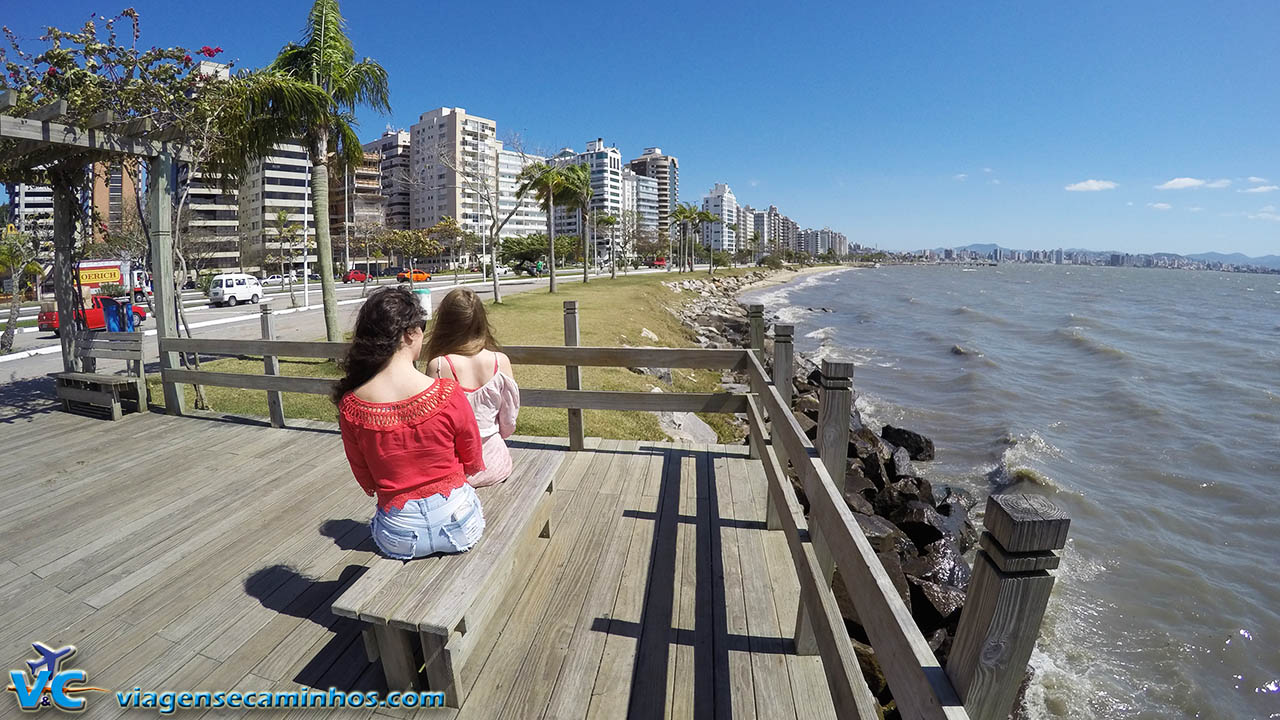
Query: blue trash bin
(126, 315)
(111, 315)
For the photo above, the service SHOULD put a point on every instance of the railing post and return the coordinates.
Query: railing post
(271, 366)
(755, 318)
(167, 295)
(573, 374)
(783, 361)
(835, 402)
(1007, 596)
(783, 367)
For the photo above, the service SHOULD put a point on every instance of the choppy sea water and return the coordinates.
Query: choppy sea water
(1147, 403)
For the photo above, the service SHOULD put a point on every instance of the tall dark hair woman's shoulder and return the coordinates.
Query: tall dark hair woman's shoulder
(380, 330)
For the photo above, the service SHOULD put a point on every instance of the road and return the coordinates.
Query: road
(37, 354)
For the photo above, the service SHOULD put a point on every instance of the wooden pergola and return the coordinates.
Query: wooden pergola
(42, 140)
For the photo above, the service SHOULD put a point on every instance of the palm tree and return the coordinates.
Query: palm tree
(326, 60)
(552, 185)
(685, 215)
(577, 179)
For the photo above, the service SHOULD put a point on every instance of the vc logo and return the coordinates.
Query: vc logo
(48, 684)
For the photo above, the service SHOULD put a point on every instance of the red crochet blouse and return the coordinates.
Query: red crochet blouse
(411, 448)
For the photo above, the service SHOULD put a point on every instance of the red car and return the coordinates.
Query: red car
(93, 317)
(355, 276)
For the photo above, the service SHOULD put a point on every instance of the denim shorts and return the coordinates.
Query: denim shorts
(434, 524)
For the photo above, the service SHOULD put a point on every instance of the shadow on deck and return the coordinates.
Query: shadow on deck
(205, 553)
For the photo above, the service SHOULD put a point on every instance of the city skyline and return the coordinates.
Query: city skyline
(1062, 127)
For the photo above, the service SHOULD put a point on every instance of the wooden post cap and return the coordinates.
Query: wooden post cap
(837, 373)
(1026, 523)
(783, 332)
(571, 306)
(755, 309)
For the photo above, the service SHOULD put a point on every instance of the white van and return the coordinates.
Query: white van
(234, 288)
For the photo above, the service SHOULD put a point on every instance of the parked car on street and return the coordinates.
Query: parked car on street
(94, 319)
(355, 276)
(234, 288)
(414, 275)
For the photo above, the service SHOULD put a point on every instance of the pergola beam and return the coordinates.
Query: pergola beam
(8, 99)
(100, 118)
(52, 111)
(12, 128)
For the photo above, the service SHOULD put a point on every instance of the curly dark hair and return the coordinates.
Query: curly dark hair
(381, 325)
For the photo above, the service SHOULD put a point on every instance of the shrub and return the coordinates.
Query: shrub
(772, 262)
(112, 290)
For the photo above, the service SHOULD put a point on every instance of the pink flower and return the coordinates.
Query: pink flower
(51, 71)
(186, 59)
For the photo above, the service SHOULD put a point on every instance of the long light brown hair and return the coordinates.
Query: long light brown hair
(460, 327)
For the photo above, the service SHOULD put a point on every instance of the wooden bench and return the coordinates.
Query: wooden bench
(105, 390)
(426, 618)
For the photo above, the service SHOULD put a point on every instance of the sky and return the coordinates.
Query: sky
(1134, 126)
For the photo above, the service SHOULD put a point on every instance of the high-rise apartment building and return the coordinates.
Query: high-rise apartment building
(449, 149)
(666, 170)
(393, 149)
(721, 235)
(31, 208)
(210, 224)
(355, 206)
(530, 218)
(788, 233)
(279, 181)
(114, 193)
(640, 197)
(605, 166)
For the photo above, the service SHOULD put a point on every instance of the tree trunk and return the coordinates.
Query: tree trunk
(324, 250)
(493, 256)
(551, 236)
(586, 251)
(64, 277)
(15, 306)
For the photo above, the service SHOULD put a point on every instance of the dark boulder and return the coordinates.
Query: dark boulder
(940, 562)
(950, 499)
(884, 536)
(873, 467)
(920, 522)
(870, 666)
(807, 424)
(900, 463)
(894, 497)
(919, 446)
(934, 605)
(807, 403)
(864, 443)
(857, 502)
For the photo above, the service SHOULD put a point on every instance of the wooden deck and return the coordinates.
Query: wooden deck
(203, 554)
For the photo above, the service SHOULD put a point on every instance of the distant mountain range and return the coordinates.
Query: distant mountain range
(1270, 261)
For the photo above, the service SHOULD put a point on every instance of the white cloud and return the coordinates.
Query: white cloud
(1218, 183)
(1195, 209)
(1130, 203)
(755, 183)
(1256, 180)
(1180, 183)
(1262, 189)
(1268, 208)
(960, 176)
(986, 170)
(1160, 206)
(995, 181)
(1265, 215)
(1090, 186)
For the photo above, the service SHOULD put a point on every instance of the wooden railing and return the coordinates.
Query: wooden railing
(573, 399)
(1007, 594)
(1009, 588)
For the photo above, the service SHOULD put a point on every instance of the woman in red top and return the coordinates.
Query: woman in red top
(411, 440)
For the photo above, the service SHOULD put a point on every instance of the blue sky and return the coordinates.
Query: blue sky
(905, 125)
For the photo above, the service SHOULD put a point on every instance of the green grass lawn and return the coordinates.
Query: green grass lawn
(610, 313)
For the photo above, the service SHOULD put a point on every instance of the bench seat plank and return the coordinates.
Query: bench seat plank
(99, 378)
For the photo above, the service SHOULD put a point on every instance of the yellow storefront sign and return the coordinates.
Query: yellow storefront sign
(98, 276)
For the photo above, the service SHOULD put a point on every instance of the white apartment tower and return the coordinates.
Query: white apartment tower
(605, 165)
(279, 181)
(393, 149)
(529, 218)
(721, 236)
(448, 147)
(211, 223)
(666, 170)
(31, 208)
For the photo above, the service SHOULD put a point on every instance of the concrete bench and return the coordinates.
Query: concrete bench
(105, 390)
(426, 618)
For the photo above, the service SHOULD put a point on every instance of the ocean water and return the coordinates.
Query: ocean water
(1147, 404)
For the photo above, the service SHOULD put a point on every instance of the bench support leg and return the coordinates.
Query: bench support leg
(442, 674)
(396, 652)
(370, 644)
(116, 411)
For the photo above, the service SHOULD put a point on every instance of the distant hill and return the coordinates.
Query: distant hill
(1271, 261)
